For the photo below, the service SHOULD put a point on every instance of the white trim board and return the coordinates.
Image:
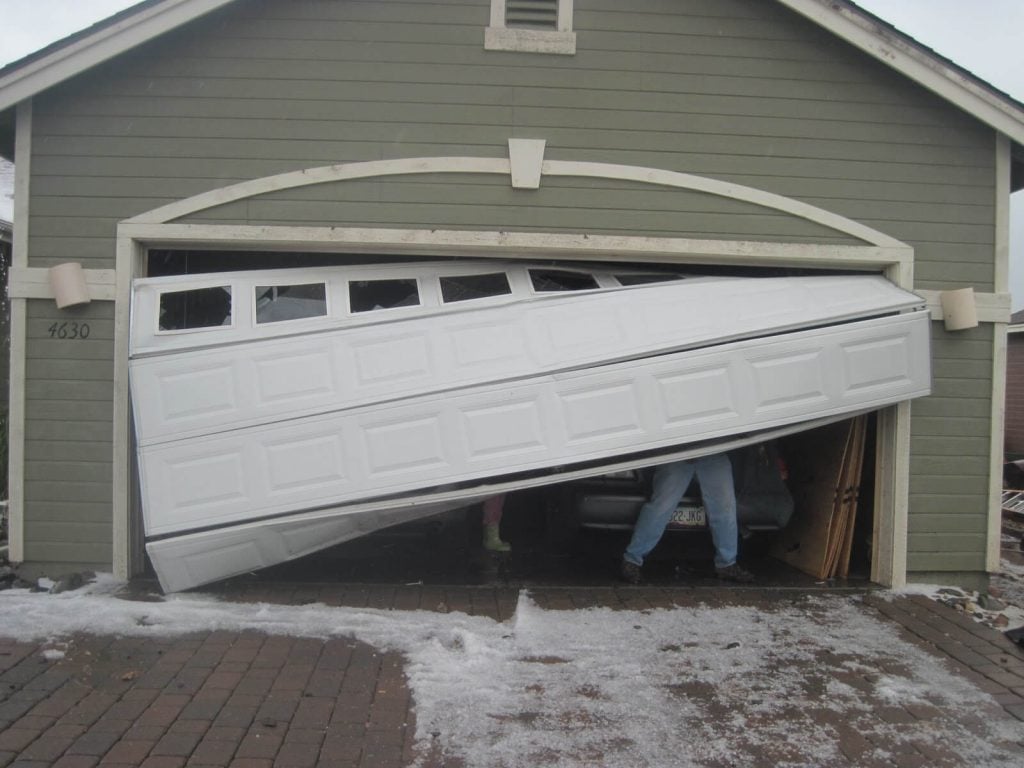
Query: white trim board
(524, 245)
(18, 330)
(991, 307)
(34, 283)
(503, 166)
(1000, 353)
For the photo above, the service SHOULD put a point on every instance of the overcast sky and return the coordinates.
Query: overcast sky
(980, 35)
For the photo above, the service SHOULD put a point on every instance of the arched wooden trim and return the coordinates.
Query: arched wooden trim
(721, 189)
(502, 166)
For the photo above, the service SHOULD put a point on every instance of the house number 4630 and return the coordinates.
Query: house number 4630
(69, 331)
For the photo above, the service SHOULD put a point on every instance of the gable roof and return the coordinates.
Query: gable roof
(140, 23)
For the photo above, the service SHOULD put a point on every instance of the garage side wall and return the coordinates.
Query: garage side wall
(736, 90)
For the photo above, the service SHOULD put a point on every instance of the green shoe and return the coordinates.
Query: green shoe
(492, 540)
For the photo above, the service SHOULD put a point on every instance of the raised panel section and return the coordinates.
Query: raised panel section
(580, 416)
(404, 445)
(602, 410)
(308, 462)
(197, 393)
(248, 381)
(703, 394)
(790, 380)
(505, 429)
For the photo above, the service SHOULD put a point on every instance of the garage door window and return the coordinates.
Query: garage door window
(276, 303)
(644, 279)
(470, 287)
(195, 308)
(371, 295)
(549, 280)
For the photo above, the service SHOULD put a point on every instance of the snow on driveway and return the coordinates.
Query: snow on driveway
(684, 686)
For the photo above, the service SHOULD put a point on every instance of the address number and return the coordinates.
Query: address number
(69, 331)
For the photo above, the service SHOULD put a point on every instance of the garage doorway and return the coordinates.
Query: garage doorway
(534, 515)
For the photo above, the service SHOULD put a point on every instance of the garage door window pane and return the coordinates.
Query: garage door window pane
(546, 280)
(644, 279)
(196, 308)
(369, 295)
(469, 287)
(275, 303)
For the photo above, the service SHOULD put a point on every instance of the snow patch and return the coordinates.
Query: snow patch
(684, 686)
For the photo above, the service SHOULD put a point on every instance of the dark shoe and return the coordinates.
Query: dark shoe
(734, 573)
(630, 572)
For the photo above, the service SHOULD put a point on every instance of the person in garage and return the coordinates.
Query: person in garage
(714, 473)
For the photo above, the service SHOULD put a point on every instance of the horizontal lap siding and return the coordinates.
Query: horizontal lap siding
(68, 448)
(737, 90)
(951, 433)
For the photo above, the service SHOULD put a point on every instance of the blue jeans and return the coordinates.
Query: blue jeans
(670, 483)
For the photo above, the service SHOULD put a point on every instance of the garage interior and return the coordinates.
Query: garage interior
(551, 543)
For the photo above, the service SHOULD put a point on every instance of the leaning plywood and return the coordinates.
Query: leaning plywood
(827, 470)
(540, 422)
(816, 471)
(851, 500)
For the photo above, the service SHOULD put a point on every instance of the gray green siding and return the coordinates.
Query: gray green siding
(738, 90)
(949, 456)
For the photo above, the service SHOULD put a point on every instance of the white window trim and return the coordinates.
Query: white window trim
(498, 37)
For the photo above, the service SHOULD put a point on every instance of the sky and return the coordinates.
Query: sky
(538, 689)
(980, 35)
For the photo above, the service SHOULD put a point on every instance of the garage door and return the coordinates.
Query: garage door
(278, 412)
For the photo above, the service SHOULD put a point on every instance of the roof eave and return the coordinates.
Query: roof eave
(107, 41)
(924, 67)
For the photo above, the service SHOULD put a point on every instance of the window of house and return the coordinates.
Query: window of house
(532, 26)
(469, 287)
(370, 295)
(549, 280)
(276, 303)
(195, 308)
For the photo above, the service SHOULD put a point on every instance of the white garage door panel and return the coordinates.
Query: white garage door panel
(192, 559)
(248, 383)
(188, 561)
(581, 416)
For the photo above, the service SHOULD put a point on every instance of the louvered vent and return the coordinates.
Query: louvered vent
(534, 14)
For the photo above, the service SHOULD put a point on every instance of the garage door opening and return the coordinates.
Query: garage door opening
(574, 533)
(542, 516)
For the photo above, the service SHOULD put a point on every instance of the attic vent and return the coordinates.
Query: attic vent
(531, 14)
(531, 26)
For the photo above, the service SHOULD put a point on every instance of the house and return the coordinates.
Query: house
(736, 135)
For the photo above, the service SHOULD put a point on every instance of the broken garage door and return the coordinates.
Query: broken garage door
(280, 412)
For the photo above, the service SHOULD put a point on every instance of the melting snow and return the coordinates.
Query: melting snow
(666, 687)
